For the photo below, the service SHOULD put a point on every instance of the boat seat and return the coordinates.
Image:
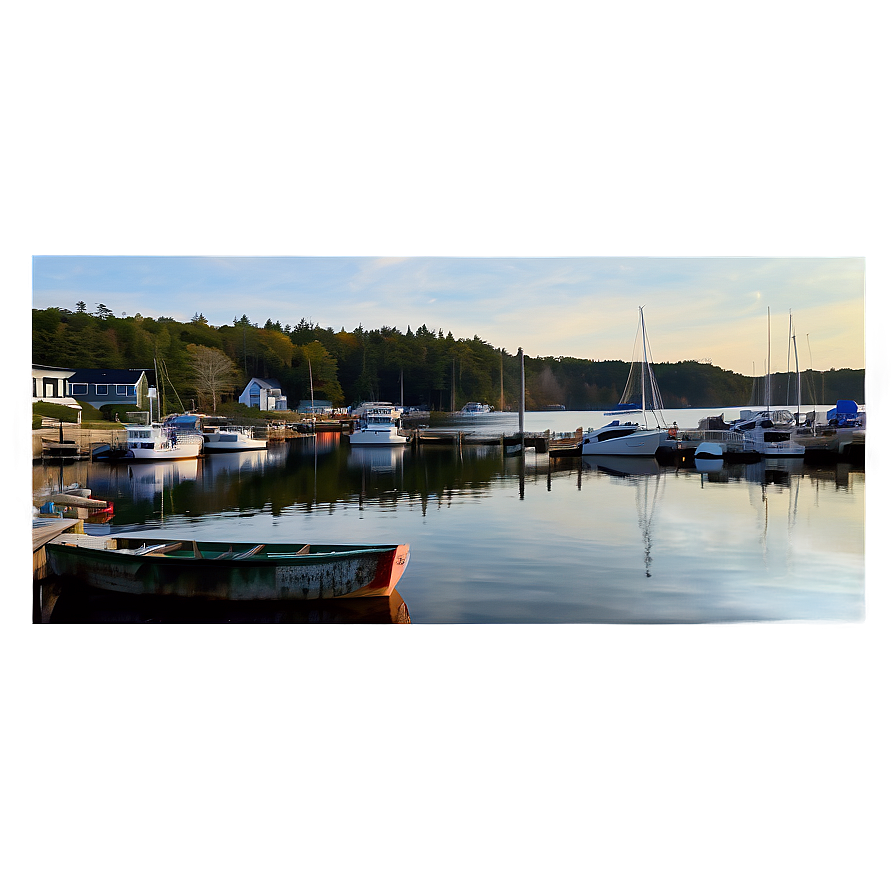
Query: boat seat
(149, 549)
(250, 553)
(298, 553)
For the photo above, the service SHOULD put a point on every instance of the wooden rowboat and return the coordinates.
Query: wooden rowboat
(228, 570)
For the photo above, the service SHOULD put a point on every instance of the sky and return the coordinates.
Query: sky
(714, 309)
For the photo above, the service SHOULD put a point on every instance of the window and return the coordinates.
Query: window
(78, 388)
(132, 391)
(121, 390)
(102, 389)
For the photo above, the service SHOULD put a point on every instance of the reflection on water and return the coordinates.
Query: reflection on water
(624, 466)
(377, 459)
(528, 539)
(72, 603)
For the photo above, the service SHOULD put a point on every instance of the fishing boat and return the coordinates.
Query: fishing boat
(223, 439)
(160, 441)
(627, 437)
(142, 564)
(378, 427)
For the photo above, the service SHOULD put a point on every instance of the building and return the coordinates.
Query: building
(264, 395)
(51, 384)
(99, 387)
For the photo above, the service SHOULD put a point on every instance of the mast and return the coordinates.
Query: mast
(643, 366)
(789, 337)
(522, 396)
(502, 379)
(768, 365)
(796, 360)
(155, 367)
(311, 382)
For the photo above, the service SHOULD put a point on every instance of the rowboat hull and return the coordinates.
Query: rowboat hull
(197, 568)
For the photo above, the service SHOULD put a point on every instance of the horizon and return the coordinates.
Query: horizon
(575, 307)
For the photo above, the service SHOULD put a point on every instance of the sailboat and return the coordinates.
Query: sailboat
(623, 436)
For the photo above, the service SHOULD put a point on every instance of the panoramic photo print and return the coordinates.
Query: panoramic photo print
(448, 440)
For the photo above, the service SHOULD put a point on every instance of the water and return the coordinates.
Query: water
(507, 539)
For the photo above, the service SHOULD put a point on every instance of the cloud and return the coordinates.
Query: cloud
(580, 307)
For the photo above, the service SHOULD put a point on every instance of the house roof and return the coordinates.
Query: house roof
(106, 376)
(49, 369)
(264, 383)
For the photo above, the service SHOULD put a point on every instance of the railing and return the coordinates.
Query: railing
(725, 436)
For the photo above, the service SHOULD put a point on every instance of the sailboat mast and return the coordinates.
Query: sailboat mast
(155, 366)
(796, 360)
(311, 383)
(789, 337)
(643, 366)
(768, 365)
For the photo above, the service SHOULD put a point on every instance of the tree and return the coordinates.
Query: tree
(81, 307)
(102, 311)
(198, 318)
(324, 369)
(213, 373)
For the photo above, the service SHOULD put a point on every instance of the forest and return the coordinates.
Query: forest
(426, 368)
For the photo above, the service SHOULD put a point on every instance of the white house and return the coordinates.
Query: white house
(264, 395)
(50, 384)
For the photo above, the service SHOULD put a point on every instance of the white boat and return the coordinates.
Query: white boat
(158, 441)
(624, 436)
(475, 409)
(377, 408)
(709, 451)
(232, 438)
(768, 433)
(378, 427)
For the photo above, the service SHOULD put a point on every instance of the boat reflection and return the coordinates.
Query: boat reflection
(377, 459)
(150, 479)
(711, 465)
(623, 466)
(71, 603)
(237, 462)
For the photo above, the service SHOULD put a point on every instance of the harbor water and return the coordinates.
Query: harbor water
(498, 539)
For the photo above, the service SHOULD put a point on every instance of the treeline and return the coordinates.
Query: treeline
(422, 368)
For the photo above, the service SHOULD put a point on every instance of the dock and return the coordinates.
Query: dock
(43, 531)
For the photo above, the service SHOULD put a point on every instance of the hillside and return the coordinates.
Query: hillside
(426, 367)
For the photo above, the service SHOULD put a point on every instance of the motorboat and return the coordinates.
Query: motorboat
(377, 408)
(625, 436)
(475, 409)
(768, 433)
(231, 438)
(160, 441)
(378, 427)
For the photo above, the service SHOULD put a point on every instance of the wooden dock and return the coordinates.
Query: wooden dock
(43, 531)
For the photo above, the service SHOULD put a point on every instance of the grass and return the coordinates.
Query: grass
(91, 417)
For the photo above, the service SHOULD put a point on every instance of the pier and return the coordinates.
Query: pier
(538, 440)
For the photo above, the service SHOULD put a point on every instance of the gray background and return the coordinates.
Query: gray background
(680, 759)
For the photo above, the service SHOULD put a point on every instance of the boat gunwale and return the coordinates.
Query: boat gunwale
(119, 554)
